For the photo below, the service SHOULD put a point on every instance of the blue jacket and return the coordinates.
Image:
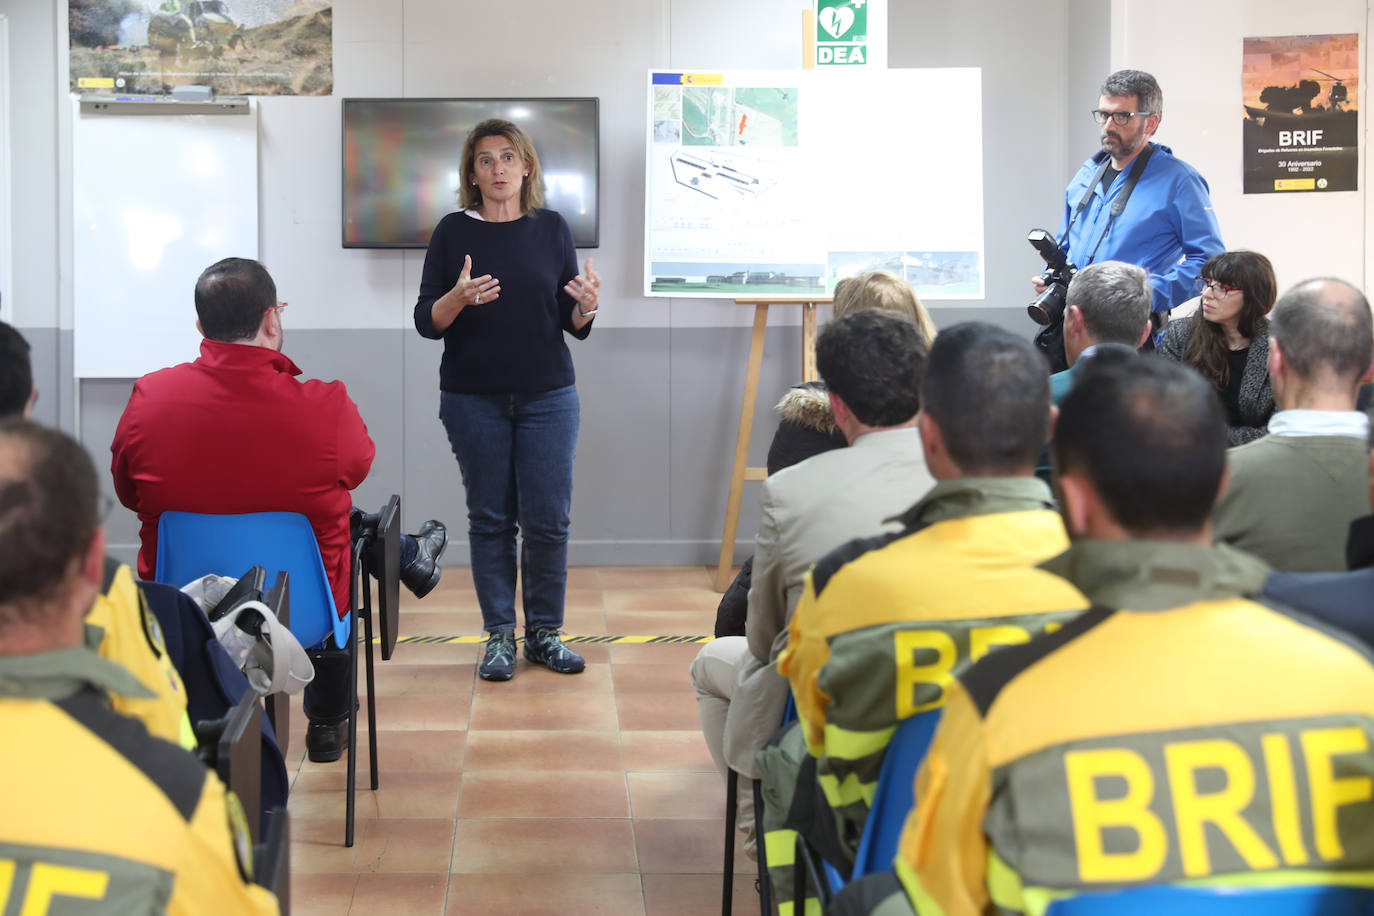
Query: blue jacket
(1169, 218)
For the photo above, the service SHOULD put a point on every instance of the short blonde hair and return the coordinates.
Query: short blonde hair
(531, 188)
(886, 292)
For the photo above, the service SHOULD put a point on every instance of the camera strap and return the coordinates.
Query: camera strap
(1118, 205)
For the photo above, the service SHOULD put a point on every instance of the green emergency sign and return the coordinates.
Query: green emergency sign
(841, 33)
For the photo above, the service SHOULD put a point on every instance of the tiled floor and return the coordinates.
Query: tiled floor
(550, 793)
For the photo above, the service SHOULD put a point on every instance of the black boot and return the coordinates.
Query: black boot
(422, 573)
(326, 705)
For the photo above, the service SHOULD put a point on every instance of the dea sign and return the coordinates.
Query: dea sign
(841, 33)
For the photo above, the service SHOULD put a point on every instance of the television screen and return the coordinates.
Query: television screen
(401, 160)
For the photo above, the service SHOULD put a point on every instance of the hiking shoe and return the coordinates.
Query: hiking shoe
(498, 663)
(545, 647)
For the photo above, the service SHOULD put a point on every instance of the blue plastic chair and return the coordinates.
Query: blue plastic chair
(191, 545)
(894, 797)
(1221, 901)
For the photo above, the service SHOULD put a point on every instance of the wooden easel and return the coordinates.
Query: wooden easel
(739, 472)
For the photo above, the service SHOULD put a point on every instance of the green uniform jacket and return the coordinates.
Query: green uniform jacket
(885, 624)
(1193, 736)
(100, 817)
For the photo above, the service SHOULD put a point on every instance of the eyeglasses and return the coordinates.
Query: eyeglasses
(276, 308)
(1119, 118)
(1218, 288)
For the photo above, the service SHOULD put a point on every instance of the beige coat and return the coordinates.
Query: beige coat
(810, 509)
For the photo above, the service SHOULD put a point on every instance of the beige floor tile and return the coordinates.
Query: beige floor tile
(544, 711)
(657, 710)
(559, 895)
(397, 680)
(660, 623)
(697, 895)
(537, 794)
(321, 895)
(671, 678)
(678, 846)
(668, 794)
(441, 623)
(584, 577)
(385, 845)
(584, 622)
(503, 751)
(583, 599)
(471, 771)
(436, 654)
(402, 895)
(412, 751)
(418, 713)
(546, 846)
(647, 751)
(667, 654)
(532, 678)
(399, 795)
(638, 577)
(663, 599)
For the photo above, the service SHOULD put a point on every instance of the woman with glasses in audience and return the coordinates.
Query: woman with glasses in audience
(1227, 338)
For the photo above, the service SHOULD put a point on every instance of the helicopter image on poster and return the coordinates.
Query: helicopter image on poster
(1301, 114)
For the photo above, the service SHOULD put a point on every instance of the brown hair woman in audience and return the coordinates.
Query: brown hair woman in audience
(1227, 338)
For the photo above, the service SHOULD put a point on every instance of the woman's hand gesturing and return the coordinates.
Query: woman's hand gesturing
(472, 290)
(585, 290)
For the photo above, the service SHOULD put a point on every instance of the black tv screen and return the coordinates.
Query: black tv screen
(401, 160)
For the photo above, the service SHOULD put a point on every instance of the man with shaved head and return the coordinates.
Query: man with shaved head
(1294, 493)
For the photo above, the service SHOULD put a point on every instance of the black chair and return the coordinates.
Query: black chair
(272, 857)
(728, 874)
(278, 598)
(232, 747)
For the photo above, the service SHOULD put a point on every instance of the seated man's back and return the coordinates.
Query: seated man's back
(97, 816)
(1179, 733)
(236, 432)
(1294, 493)
(885, 624)
(893, 620)
(104, 816)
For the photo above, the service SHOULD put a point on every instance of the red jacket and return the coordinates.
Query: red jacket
(235, 432)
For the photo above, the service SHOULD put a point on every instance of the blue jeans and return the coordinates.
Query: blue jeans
(516, 452)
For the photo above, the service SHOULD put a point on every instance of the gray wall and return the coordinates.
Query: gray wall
(659, 381)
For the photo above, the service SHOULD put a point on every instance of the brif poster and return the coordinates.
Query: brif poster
(1301, 113)
(237, 47)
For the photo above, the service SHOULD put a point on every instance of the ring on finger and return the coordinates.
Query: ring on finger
(478, 299)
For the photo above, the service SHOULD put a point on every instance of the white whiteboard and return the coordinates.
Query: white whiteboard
(157, 199)
(783, 182)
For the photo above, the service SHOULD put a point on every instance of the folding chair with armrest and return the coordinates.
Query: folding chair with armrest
(191, 545)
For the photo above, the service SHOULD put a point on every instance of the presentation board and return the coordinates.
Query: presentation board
(773, 182)
(157, 199)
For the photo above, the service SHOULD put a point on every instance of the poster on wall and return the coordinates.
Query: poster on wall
(146, 48)
(1301, 113)
(758, 183)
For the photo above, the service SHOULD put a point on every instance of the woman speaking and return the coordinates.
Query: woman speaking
(500, 286)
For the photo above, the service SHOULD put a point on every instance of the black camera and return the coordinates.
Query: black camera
(1048, 307)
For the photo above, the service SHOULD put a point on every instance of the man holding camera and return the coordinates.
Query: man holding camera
(1133, 201)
